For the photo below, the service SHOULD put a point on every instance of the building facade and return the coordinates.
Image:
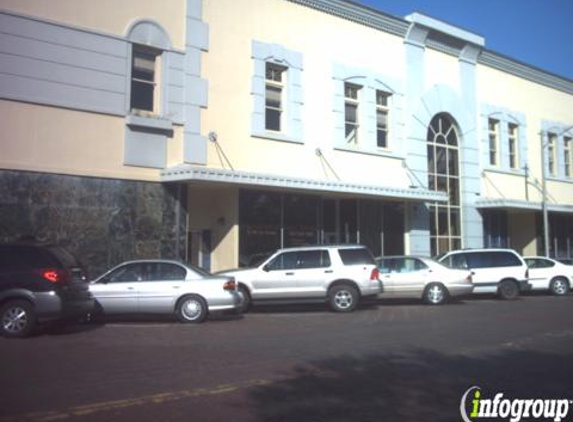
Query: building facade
(217, 131)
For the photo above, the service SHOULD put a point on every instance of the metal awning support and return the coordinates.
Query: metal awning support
(189, 173)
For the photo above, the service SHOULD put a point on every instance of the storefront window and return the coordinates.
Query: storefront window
(260, 225)
(272, 220)
(300, 220)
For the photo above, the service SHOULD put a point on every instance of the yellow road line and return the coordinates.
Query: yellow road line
(107, 406)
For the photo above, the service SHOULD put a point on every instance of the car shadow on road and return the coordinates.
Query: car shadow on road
(421, 385)
(61, 328)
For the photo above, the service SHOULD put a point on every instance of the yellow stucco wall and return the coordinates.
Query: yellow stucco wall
(538, 103)
(216, 208)
(522, 233)
(56, 140)
(327, 40)
(109, 16)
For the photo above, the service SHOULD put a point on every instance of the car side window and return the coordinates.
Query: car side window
(504, 259)
(459, 261)
(169, 272)
(384, 266)
(541, 263)
(284, 261)
(127, 273)
(312, 259)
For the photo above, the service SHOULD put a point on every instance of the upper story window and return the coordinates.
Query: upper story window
(568, 155)
(351, 103)
(145, 72)
(493, 130)
(513, 145)
(382, 116)
(277, 94)
(274, 91)
(552, 154)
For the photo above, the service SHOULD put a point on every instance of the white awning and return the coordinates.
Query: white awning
(189, 173)
(522, 205)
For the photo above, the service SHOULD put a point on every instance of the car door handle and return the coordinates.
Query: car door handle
(328, 271)
(176, 287)
(131, 288)
(289, 273)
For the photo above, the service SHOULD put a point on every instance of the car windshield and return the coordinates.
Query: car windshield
(258, 259)
(434, 262)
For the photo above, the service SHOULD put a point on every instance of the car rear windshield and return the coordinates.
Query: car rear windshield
(65, 257)
(21, 257)
(356, 256)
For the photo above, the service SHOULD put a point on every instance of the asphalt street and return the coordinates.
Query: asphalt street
(387, 361)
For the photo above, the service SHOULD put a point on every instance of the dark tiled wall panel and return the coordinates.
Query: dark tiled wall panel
(102, 221)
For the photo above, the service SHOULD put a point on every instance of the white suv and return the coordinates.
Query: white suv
(340, 275)
(500, 271)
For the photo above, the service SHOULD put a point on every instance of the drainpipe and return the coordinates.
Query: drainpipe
(544, 197)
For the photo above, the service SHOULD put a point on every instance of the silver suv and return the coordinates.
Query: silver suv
(500, 271)
(340, 275)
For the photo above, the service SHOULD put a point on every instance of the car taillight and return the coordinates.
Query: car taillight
(374, 274)
(230, 285)
(55, 275)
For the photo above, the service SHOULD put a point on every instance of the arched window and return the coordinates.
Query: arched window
(444, 176)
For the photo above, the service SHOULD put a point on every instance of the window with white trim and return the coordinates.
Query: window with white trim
(552, 154)
(568, 155)
(274, 92)
(382, 118)
(493, 130)
(351, 104)
(512, 137)
(145, 74)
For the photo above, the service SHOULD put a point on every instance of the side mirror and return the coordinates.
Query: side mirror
(266, 268)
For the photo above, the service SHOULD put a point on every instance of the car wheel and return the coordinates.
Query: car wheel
(343, 298)
(435, 294)
(508, 290)
(17, 319)
(192, 308)
(246, 300)
(559, 287)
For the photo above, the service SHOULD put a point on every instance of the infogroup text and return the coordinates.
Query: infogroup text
(474, 406)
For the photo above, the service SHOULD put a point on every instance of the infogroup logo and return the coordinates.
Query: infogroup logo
(473, 407)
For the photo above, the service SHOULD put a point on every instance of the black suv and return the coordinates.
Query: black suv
(37, 284)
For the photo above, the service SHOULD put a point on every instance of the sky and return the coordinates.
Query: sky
(537, 32)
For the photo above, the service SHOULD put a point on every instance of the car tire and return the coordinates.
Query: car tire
(559, 286)
(508, 290)
(435, 294)
(17, 319)
(246, 300)
(192, 308)
(343, 298)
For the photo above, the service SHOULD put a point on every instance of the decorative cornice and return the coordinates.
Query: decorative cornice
(359, 14)
(531, 73)
(184, 173)
(384, 22)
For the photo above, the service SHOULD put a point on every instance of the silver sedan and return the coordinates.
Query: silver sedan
(163, 287)
(422, 278)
